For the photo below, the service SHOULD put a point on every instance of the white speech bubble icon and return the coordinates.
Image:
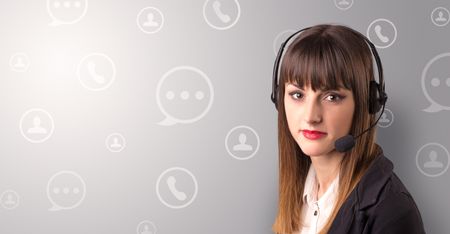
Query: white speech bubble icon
(184, 95)
(436, 83)
(65, 190)
(66, 11)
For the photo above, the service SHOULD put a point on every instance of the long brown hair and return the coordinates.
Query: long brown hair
(325, 57)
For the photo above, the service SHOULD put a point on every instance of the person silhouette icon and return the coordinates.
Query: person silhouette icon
(116, 143)
(150, 21)
(9, 200)
(19, 63)
(440, 17)
(343, 2)
(242, 146)
(146, 230)
(37, 128)
(384, 118)
(433, 163)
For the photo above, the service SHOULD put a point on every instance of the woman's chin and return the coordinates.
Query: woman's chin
(314, 150)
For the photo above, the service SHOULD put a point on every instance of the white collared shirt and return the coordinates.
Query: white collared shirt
(322, 207)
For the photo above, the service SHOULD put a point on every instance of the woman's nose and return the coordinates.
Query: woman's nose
(312, 112)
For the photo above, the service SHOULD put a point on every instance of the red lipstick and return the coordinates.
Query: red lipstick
(313, 135)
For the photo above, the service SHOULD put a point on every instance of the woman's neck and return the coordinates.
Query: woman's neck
(327, 168)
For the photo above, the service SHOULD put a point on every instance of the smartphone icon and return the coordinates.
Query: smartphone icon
(171, 181)
(223, 17)
(93, 73)
(380, 36)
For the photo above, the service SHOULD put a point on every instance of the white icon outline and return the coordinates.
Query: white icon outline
(185, 171)
(169, 118)
(81, 65)
(390, 122)
(19, 54)
(257, 142)
(150, 31)
(382, 20)
(432, 144)
(108, 143)
(17, 199)
(55, 206)
(343, 8)
(150, 223)
(215, 9)
(448, 16)
(48, 134)
(57, 22)
(434, 105)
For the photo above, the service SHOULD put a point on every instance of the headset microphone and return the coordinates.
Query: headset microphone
(347, 142)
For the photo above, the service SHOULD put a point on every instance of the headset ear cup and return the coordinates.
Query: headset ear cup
(374, 103)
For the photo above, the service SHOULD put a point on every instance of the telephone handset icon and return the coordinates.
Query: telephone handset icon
(93, 73)
(223, 17)
(382, 37)
(181, 196)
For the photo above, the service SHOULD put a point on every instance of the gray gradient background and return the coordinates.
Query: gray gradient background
(234, 196)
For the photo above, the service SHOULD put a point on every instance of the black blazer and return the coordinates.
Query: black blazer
(380, 203)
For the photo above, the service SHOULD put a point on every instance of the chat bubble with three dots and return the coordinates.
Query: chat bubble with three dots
(65, 190)
(184, 95)
(66, 11)
(436, 83)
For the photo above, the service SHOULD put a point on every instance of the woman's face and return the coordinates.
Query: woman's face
(330, 112)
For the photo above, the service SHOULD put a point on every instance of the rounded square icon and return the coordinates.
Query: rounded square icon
(432, 159)
(242, 142)
(66, 190)
(280, 38)
(9, 199)
(176, 187)
(96, 71)
(436, 83)
(386, 119)
(19, 62)
(343, 4)
(382, 33)
(66, 11)
(440, 16)
(36, 125)
(150, 20)
(184, 95)
(146, 227)
(115, 142)
(221, 14)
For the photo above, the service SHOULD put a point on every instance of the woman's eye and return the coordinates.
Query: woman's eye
(334, 97)
(296, 95)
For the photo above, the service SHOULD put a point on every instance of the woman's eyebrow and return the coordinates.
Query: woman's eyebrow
(296, 85)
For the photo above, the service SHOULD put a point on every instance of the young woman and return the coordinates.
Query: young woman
(330, 181)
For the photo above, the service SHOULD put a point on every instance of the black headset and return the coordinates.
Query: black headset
(377, 95)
